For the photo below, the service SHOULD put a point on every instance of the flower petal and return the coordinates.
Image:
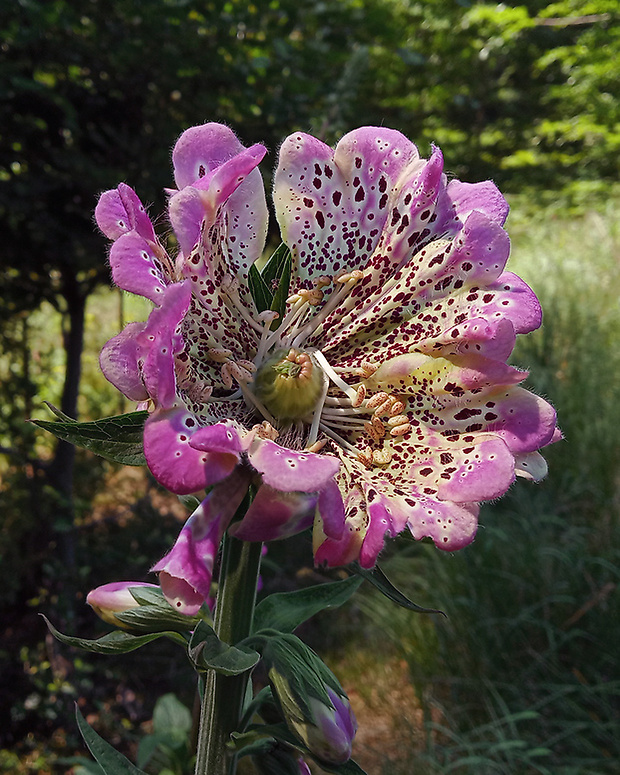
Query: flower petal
(136, 268)
(171, 459)
(119, 362)
(274, 514)
(119, 211)
(185, 573)
(288, 470)
(331, 205)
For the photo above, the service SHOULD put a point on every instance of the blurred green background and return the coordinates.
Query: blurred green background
(523, 676)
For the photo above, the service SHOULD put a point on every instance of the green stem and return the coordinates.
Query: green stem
(222, 702)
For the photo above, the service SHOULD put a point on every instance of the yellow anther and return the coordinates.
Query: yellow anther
(381, 457)
(399, 419)
(377, 400)
(400, 430)
(219, 354)
(359, 396)
(396, 408)
(379, 427)
(317, 446)
(365, 456)
(266, 431)
(226, 374)
(367, 369)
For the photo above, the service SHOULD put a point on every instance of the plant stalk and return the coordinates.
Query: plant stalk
(222, 702)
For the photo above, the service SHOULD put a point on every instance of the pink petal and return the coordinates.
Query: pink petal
(274, 514)
(173, 461)
(119, 362)
(185, 573)
(119, 211)
(287, 470)
(136, 268)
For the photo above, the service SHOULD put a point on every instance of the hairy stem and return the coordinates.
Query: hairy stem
(222, 702)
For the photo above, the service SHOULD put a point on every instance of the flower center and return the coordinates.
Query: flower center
(290, 384)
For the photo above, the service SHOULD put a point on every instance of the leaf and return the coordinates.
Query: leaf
(209, 652)
(284, 282)
(261, 293)
(378, 579)
(115, 642)
(118, 438)
(171, 716)
(111, 761)
(151, 618)
(284, 611)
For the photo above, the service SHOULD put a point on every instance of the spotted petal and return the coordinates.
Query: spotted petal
(119, 211)
(119, 361)
(287, 470)
(275, 514)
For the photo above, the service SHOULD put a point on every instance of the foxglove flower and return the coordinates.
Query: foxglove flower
(113, 598)
(380, 399)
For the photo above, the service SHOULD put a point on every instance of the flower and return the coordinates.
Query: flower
(115, 597)
(381, 398)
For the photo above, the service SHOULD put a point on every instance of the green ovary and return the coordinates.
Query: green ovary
(289, 384)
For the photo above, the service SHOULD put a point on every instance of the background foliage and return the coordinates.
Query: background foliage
(528, 94)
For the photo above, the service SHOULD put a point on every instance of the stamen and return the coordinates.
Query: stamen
(381, 457)
(361, 395)
(377, 400)
(219, 354)
(229, 288)
(345, 280)
(346, 389)
(316, 420)
(251, 398)
(317, 446)
(365, 456)
(399, 419)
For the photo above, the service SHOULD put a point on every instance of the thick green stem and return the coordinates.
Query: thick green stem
(222, 702)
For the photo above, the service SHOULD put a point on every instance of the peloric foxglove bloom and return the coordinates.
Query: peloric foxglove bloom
(379, 399)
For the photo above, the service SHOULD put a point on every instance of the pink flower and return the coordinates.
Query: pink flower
(382, 399)
(115, 597)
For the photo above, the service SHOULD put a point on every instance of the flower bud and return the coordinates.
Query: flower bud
(314, 705)
(113, 598)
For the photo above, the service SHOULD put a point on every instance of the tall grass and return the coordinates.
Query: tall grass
(523, 677)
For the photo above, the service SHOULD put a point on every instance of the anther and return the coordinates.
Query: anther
(226, 374)
(400, 430)
(372, 431)
(396, 408)
(367, 369)
(323, 281)
(381, 457)
(268, 316)
(365, 456)
(317, 446)
(384, 407)
(377, 400)
(219, 354)
(377, 424)
(359, 397)
(399, 419)
(266, 431)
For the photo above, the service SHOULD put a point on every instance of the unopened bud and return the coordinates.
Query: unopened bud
(113, 598)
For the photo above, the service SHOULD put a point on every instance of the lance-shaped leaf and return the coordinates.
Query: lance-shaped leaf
(207, 651)
(118, 438)
(378, 579)
(111, 761)
(115, 642)
(284, 611)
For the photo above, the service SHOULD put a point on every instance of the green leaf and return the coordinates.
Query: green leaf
(261, 293)
(111, 761)
(115, 642)
(209, 652)
(284, 611)
(283, 278)
(156, 618)
(118, 438)
(378, 579)
(171, 716)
